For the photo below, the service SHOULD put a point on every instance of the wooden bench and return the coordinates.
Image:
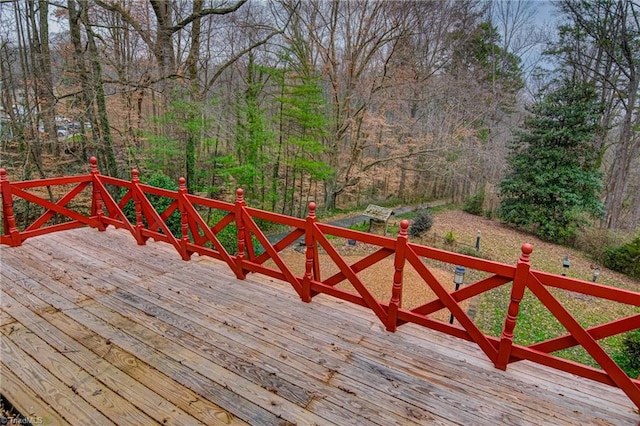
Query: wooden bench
(378, 215)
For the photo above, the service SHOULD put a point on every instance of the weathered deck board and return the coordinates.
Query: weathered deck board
(26, 400)
(156, 317)
(147, 328)
(83, 383)
(112, 379)
(72, 407)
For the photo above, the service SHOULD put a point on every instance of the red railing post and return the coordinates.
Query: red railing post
(310, 244)
(184, 220)
(96, 201)
(240, 204)
(8, 217)
(135, 181)
(517, 292)
(398, 263)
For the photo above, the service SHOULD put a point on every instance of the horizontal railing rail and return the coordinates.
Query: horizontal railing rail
(129, 205)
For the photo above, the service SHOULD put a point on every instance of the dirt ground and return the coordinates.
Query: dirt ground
(378, 278)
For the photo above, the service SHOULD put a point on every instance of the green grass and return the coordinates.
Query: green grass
(362, 226)
(536, 324)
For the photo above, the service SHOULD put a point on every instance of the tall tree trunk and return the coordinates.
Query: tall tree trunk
(163, 49)
(103, 127)
(83, 75)
(626, 151)
(30, 132)
(634, 224)
(402, 186)
(193, 132)
(45, 99)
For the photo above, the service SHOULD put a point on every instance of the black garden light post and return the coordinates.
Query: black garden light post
(458, 280)
(565, 265)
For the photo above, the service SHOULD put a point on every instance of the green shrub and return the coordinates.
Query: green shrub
(628, 358)
(360, 226)
(474, 204)
(159, 203)
(595, 241)
(228, 236)
(449, 238)
(470, 251)
(421, 224)
(624, 258)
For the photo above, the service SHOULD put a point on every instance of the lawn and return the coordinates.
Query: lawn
(535, 323)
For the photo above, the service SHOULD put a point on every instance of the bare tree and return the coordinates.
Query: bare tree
(159, 36)
(600, 45)
(351, 42)
(20, 85)
(39, 20)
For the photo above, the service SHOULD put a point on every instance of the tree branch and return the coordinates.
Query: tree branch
(246, 50)
(205, 12)
(397, 157)
(114, 7)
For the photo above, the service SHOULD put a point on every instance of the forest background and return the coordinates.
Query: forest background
(339, 102)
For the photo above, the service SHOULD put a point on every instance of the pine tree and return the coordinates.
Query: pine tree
(554, 182)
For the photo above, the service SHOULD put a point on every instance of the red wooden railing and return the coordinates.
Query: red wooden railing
(197, 236)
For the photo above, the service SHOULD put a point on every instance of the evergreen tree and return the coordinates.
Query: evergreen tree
(554, 181)
(254, 137)
(304, 127)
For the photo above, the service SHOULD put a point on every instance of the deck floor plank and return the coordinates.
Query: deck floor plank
(113, 328)
(201, 386)
(364, 408)
(150, 403)
(230, 351)
(263, 344)
(262, 328)
(489, 375)
(179, 395)
(261, 366)
(26, 400)
(253, 395)
(70, 405)
(83, 383)
(267, 397)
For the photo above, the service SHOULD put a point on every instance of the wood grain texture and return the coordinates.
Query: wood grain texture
(27, 401)
(183, 342)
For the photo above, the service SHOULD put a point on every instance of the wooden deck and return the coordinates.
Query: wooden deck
(97, 330)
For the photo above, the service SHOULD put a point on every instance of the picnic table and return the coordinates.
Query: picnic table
(378, 215)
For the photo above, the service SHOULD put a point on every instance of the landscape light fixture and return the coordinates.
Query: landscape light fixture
(565, 265)
(458, 280)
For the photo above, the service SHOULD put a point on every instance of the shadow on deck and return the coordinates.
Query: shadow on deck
(97, 330)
